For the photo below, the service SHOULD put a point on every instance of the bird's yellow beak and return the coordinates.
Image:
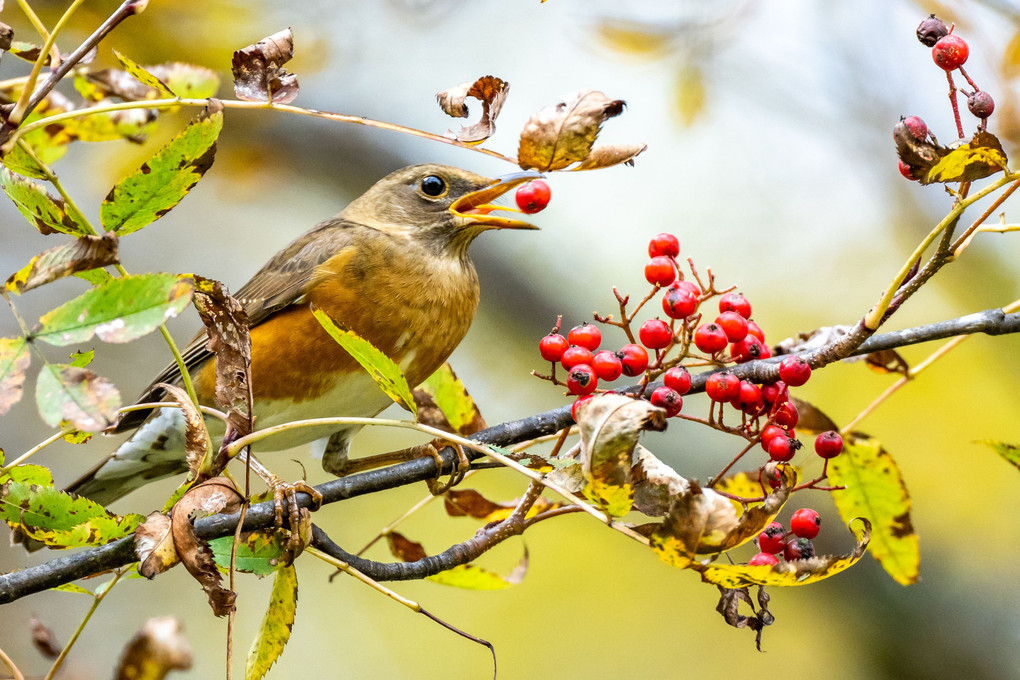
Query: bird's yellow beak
(473, 209)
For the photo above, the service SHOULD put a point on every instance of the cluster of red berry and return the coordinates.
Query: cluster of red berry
(793, 545)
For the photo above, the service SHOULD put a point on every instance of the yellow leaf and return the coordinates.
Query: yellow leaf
(276, 625)
(689, 91)
(875, 490)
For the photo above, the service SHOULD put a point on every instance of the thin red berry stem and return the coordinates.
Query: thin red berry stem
(969, 81)
(715, 480)
(956, 104)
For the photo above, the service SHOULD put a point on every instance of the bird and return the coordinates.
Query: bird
(393, 267)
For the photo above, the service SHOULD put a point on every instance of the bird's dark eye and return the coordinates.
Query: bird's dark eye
(433, 185)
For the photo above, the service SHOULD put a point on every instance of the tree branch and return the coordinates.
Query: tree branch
(69, 568)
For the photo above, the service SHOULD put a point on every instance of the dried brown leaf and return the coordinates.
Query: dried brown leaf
(981, 157)
(158, 648)
(44, 640)
(470, 503)
(154, 545)
(6, 36)
(608, 155)
(489, 90)
(404, 549)
(258, 76)
(655, 484)
(920, 155)
(197, 442)
(213, 496)
(887, 361)
(729, 607)
(14, 360)
(82, 254)
(811, 419)
(563, 134)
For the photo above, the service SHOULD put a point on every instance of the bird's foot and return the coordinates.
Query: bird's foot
(433, 449)
(299, 522)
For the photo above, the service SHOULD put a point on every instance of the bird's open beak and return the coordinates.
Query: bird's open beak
(473, 209)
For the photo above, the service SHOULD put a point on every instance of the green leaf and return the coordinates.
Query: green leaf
(65, 394)
(382, 369)
(60, 519)
(471, 577)
(142, 75)
(28, 474)
(14, 361)
(82, 359)
(452, 398)
(875, 490)
(83, 254)
(162, 182)
(258, 553)
(49, 144)
(188, 80)
(72, 588)
(1009, 452)
(95, 276)
(44, 212)
(276, 625)
(120, 310)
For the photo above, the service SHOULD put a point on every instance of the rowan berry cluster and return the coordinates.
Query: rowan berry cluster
(794, 544)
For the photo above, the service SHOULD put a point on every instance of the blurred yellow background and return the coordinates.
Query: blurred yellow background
(770, 155)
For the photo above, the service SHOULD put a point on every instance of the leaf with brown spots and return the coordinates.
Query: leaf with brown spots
(226, 324)
(70, 395)
(143, 76)
(443, 402)
(165, 179)
(46, 213)
(154, 545)
(14, 360)
(875, 490)
(60, 519)
(1009, 452)
(197, 445)
(981, 157)
(563, 134)
(84, 253)
(276, 624)
(258, 72)
(489, 90)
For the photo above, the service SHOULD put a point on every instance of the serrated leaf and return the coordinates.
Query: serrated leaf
(143, 76)
(792, 573)
(276, 624)
(95, 276)
(83, 254)
(258, 552)
(981, 157)
(82, 359)
(876, 491)
(457, 411)
(44, 212)
(1009, 452)
(60, 519)
(14, 360)
(28, 474)
(65, 394)
(383, 370)
(120, 310)
(160, 184)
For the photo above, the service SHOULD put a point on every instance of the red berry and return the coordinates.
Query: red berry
(829, 444)
(781, 449)
(906, 171)
(798, 549)
(770, 432)
(655, 334)
(677, 378)
(772, 538)
(775, 393)
(794, 371)
(749, 396)
(585, 335)
(930, 30)
(917, 127)
(710, 338)
(749, 349)
(735, 302)
(681, 300)
(667, 398)
(607, 365)
(577, 403)
(805, 523)
(786, 415)
(762, 559)
(552, 346)
(722, 386)
(582, 380)
(950, 52)
(980, 104)
(664, 244)
(533, 197)
(755, 330)
(574, 355)
(734, 324)
(634, 359)
(660, 271)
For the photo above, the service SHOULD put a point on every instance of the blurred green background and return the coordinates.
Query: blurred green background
(770, 155)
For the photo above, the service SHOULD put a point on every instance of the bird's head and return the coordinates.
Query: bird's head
(443, 207)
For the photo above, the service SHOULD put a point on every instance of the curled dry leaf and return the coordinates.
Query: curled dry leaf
(258, 76)
(208, 498)
(489, 90)
(920, 155)
(196, 437)
(158, 648)
(729, 607)
(154, 545)
(44, 640)
(227, 326)
(655, 484)
(84, 253)
(610, 425)
(470, 503)
(610, 154)
(563, 134)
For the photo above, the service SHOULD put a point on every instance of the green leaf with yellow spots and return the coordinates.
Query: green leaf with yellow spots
(791, 573)
(60, 519)
(875, 490)
(27, 474)
(142, 75)
(276, 624)
(980, 157)
(384, 371)
(85, 253)
(165, 179)
(457, 411)
(258, 552)
(46, 213)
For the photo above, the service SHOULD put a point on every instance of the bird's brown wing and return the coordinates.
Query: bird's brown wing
(281, 282)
